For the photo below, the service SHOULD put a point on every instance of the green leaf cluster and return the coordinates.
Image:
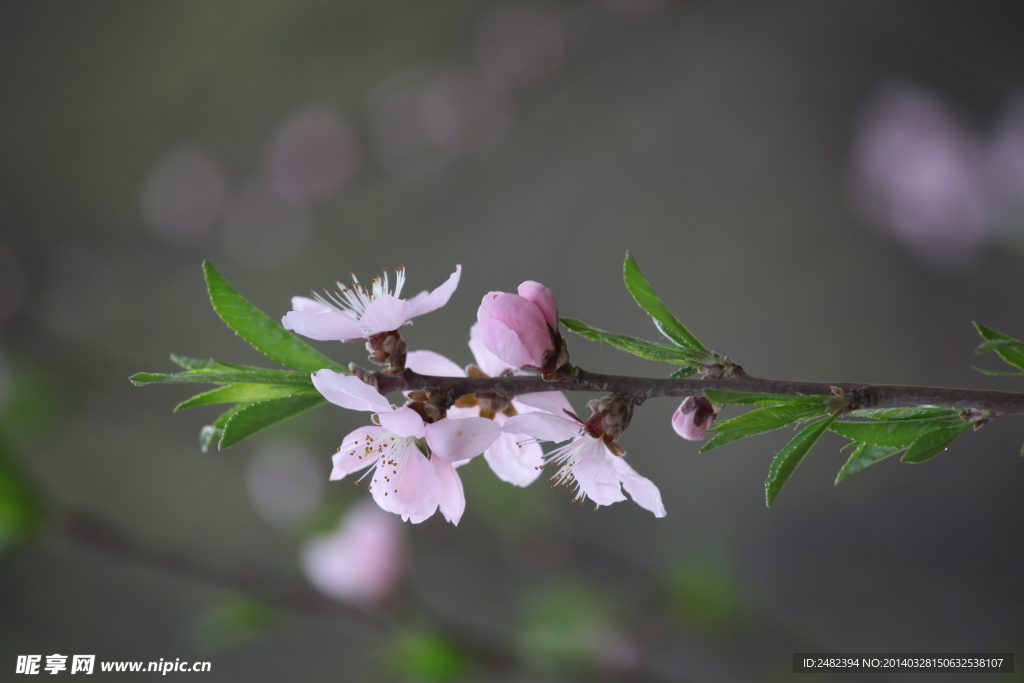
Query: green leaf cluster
(920, 432)
(262, 397)
(685, 350)
(1006, 347)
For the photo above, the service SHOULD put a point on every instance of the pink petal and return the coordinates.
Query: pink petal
(407, 484)
(543, 298)
(641, 489)
(683, 421)
(543, 426)
(314, 320)
(596, 475)
(404, 422)
(506, 344)
(439, 297)
(359, 449)
(460, 439)
(553, 402)
(536, 340)
(485, 360)
(453, 498)
(517, 464)
(384, 314)
(304, 303)
(431, 363)
(348, 391)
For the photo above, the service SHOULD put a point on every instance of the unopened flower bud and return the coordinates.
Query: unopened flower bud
(694, 417)
(522, 329)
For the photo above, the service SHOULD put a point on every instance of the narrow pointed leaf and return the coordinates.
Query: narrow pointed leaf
(889, 433)
(244, 393)
(934, 442)
(747, 398)
(792, 454)
(682, 372)
(1012, 354)
(865, 456)
(254, 417)
(644, 294)
(999, 344)
(761, 420)
(203, 364)
(915, 413)
(999, 373)
(254, 376)
(265, 334)
(662, 352)
(210, 434)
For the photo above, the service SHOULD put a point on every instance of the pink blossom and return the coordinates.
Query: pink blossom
(404, 480)
(357, 312)
(511, 457)
(359, 562)
(693, 417)
(586, 464)
(520, 329)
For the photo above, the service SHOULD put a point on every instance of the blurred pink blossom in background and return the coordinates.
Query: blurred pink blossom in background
(918, 176)
(312, 156)
(183, 195)
(361, 561)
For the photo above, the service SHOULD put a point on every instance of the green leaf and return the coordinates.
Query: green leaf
(998, 373)
(934, 442)
(426, 656)
(265, 334)
(915, 413)
(998, 344)
(253, 376)
(21, 510)
(682, 372)
(243, 393)
(888, 433)
(252, 417)
(865, 456)
(1012, 353)
(667, 323)
(638, 347)
(201, 364)
(761, 420)
(210, 434)
(747, 398)
(791, 455)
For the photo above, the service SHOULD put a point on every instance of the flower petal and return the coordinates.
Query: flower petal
(543, 298)
(315, 320)
(406, 483)
(518, 464)
(596, 474)
(543, 426)
(384, 314)
(359, 449)
(348, 391)
(453, 498)
(485, 360)
(641, 489)
(438, 298)
(431, 363)
(460, 439)
(404, 422)
(553, 402)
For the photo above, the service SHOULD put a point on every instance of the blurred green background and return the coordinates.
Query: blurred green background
(722, 143)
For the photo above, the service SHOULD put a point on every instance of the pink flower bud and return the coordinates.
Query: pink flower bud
(516, 329)
(693, 417)
(543, 298)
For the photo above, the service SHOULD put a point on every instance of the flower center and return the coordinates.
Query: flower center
(354, 299)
